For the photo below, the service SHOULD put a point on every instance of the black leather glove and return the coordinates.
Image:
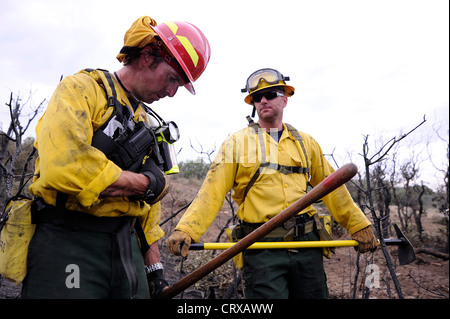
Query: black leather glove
(158, 186)
(156, 283)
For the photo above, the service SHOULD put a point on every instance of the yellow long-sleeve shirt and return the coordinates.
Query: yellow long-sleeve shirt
(236, 163)
(68, 163)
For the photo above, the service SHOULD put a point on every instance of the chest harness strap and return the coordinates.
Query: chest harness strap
(284, 169)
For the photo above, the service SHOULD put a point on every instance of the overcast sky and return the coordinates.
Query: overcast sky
(359, 67)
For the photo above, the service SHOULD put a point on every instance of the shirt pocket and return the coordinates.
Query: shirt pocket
(247, 171)
(300, 180)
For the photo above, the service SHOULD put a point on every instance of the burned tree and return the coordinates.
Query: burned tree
(369, 161)
(14, 145)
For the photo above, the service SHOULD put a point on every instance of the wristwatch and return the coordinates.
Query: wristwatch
(154, 267)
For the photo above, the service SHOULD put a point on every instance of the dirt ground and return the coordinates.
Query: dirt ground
(425, 278)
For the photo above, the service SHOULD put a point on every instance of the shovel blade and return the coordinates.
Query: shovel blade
(406, 254)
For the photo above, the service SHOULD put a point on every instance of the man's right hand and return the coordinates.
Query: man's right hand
(179, 243)
(158, 183)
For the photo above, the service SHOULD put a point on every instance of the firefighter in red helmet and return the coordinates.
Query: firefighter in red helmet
(100, 171)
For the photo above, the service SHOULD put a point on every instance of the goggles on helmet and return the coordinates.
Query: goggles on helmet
(271, 76)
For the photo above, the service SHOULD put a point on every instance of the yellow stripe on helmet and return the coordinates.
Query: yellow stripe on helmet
(189, 48)
(172, 26)
(185, 42)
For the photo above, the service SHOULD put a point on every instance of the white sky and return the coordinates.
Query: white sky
(359, 67)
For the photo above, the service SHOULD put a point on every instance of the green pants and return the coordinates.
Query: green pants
(63, 263)
(283, 274)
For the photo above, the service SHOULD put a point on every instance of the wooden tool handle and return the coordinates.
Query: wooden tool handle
(338, 178)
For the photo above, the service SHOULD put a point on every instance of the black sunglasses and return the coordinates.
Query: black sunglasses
(269, 95)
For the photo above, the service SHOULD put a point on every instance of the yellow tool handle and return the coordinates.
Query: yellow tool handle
(278, 245)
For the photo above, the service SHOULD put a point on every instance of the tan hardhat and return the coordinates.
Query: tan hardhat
(263, 79)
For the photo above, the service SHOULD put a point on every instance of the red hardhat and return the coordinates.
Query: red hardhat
(189, 47)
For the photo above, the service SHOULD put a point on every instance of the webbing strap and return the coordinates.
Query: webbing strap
(286, 170)
(299, 138)
(250, 184)
(122, 111)
(123, 237)
(110, 89)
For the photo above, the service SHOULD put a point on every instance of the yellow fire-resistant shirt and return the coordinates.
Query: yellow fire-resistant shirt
(68, 163)
(236, 163)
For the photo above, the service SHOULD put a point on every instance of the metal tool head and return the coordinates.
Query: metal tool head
(406, 254)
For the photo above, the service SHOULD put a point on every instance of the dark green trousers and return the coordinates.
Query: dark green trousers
(285, 274)
(63, 263)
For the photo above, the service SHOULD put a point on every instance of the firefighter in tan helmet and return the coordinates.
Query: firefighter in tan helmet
(101, 169)
(269, 165)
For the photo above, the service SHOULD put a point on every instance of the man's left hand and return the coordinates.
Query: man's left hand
(366, 239)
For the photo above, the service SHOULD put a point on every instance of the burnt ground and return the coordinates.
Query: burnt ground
(425, 278)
